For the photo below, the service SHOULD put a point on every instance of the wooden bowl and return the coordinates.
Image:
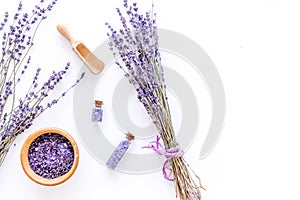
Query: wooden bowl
(25, 161)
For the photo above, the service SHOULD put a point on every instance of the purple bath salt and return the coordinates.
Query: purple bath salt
(51, 155)
(97, 113)
(119, 152)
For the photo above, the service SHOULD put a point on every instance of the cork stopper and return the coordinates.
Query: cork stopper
(98, 103)
(129, 136)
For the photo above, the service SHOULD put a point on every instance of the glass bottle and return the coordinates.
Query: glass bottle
(119, 152)
(97, 114)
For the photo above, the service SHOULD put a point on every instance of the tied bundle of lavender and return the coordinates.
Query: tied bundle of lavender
(137, 48)
(19, 107)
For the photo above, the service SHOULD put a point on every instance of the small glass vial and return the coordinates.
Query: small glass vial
(119, 152)
(97, 111)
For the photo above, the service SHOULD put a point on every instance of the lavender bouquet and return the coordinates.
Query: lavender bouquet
(18, 108)
(136, 46)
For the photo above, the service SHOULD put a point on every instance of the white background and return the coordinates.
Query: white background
(255, 46)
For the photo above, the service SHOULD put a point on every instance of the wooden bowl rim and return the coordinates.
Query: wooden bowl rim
(25, 162)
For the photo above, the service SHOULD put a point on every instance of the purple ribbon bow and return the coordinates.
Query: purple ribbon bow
(174, 152)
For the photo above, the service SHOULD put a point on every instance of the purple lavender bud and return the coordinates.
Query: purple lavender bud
(119, 152)
(20, 6)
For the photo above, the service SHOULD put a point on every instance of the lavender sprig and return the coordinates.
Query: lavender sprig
(17, 115)
(136, 49)
(35, 102)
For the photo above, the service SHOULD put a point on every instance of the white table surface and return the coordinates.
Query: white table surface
(255, 46)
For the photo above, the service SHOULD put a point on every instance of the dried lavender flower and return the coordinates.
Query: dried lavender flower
(51, 155)
(136, 46)
(17, 114)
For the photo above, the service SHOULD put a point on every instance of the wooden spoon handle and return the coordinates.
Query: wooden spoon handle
(63, 29)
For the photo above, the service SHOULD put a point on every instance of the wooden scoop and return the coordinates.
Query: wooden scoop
(94, 64)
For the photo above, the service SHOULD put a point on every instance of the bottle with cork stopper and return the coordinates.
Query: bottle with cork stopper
(119, 152)
(97, 113)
